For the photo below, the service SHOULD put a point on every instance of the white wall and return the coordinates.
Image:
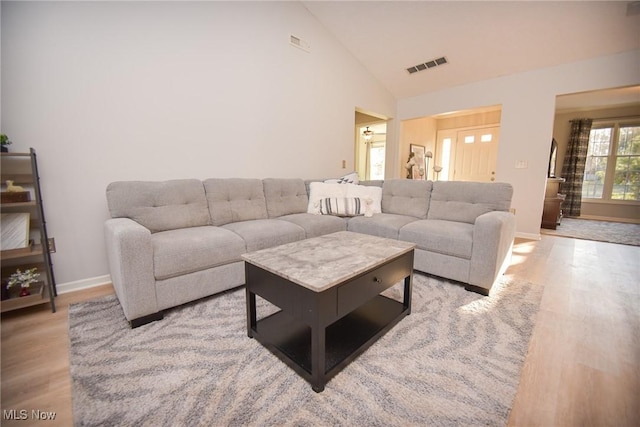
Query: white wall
(528, 107)
(157, 90)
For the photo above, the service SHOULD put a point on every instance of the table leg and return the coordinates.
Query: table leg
(408, 283)
(251, 312)
(318, 351)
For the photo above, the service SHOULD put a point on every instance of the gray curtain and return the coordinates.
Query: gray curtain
(573, 167)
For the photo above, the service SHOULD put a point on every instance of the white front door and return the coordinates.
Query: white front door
(476, 153)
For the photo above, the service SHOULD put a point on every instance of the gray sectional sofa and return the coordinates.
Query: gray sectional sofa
(173, 242)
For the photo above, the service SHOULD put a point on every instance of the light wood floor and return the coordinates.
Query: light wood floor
(582, 369)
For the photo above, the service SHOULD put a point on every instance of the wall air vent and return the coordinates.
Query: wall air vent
(427, 65)
(299, 43)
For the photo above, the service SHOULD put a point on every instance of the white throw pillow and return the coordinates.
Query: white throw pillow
(322, 190)
(372, 194)
(371, 197)
(346, 207)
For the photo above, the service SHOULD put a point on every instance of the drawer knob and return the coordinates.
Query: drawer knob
(375, 279)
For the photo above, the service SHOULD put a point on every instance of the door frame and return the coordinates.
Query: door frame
(363, 119)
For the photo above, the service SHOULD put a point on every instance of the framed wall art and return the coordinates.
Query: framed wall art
(15, 231)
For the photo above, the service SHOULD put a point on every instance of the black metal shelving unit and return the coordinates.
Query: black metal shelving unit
(22, 169)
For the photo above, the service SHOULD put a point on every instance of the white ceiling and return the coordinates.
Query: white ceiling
(480, 39)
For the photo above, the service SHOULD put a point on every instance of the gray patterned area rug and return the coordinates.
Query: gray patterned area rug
(455, 361)
(601, 231)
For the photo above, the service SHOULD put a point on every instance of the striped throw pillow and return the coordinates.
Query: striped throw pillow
(338, 206)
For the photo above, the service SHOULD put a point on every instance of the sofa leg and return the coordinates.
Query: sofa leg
(146, 319)
(477, 289)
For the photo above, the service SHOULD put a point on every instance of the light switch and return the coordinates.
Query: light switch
(521, 164)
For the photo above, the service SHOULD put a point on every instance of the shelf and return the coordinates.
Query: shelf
(33, 250)
(20, 205)
(16, 155)
(22, 169)
(345, 339)
(39, 295)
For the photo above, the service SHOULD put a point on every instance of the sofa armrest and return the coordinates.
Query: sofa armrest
(130, 255)
(493, 235)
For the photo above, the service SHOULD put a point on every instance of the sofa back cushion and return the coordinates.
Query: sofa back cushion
(235, 199)
(406, 197)
(285, 196)
(465, 201)
(372, 183)
(159, 205)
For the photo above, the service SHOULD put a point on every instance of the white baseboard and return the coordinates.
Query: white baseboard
(78, 285)
(528, 236)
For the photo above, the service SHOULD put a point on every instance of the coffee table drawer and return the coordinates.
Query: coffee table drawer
(356, 292)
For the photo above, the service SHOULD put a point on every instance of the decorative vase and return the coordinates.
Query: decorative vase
(25, 292)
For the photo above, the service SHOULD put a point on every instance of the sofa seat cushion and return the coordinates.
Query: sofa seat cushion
(177, 252)
(381, 225)
(265, 233)
(316, 225)
(443, 237)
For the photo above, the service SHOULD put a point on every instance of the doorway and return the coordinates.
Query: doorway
(464, 143)
(370, 146)
(467, 154)
(372, 151)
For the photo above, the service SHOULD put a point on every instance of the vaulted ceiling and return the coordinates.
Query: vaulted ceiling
(479, 39)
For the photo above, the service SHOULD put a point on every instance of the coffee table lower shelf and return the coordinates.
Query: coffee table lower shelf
(347, 338)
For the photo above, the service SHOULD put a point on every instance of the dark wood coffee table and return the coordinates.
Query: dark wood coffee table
(328, 291)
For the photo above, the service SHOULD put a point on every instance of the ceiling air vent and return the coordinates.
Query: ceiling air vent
(299, 43)
(427, 65)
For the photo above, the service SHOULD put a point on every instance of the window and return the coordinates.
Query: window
(370, 153)
(377, 154)
(612, 170)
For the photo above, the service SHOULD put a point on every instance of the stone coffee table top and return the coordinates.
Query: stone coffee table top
(321, 262)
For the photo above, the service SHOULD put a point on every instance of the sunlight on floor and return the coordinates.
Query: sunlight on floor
(481, 305)
(485, 304)
(521, 251)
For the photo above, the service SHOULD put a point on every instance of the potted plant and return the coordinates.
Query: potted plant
(24, 279)
(4, 143)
